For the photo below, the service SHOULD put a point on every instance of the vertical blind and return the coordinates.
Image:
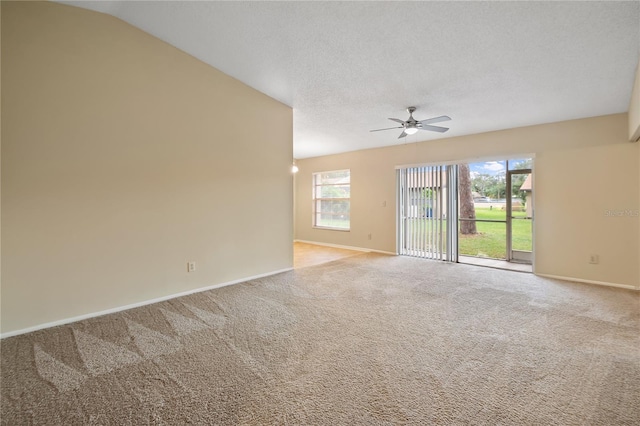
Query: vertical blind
(427, 212)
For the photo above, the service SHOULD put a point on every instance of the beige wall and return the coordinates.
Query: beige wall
(634, 116)
(587, 204)
(122, 159)
(582, 168)
(634, 108)
(0, 171)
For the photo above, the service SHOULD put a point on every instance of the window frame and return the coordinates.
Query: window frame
(314, 200)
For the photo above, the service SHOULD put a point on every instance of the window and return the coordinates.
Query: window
(332, 199)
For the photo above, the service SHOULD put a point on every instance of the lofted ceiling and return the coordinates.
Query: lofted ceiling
(345, 67)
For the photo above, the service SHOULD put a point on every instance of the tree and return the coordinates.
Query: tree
(467, 209)
(480, 183)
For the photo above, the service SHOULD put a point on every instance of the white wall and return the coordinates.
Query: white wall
(582, 168)
(122, 159)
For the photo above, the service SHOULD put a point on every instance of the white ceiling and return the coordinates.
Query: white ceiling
(345, 67)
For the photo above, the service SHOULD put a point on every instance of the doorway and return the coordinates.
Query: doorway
(496, 214)
(475, 213)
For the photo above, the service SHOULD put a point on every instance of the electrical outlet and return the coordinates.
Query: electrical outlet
(369, 236)
(594, 259)
(191, 266)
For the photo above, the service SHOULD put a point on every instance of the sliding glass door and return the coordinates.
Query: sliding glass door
(496, 211)
(469, 212)
(483, 218)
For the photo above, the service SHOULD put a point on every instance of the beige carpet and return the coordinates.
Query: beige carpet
(368, 339)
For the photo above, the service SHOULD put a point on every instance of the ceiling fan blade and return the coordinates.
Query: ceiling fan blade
(434, 128)
(397, 120)
(388, 128)
(436, 119)
(402, 135)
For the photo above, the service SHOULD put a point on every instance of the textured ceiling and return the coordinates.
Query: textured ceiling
(346, 67)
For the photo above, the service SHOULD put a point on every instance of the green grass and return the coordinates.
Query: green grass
(491, 239)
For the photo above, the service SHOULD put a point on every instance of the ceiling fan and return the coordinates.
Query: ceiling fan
(412, 125)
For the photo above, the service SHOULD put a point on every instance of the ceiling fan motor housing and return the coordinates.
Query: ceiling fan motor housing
(411, 122)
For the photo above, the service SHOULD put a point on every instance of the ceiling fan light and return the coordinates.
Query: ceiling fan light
(411, 130)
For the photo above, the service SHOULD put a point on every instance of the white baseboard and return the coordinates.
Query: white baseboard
(580, 280)
(136, 305)
(365, 250)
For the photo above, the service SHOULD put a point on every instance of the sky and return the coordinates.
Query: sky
(492, 167)
(487, 168)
